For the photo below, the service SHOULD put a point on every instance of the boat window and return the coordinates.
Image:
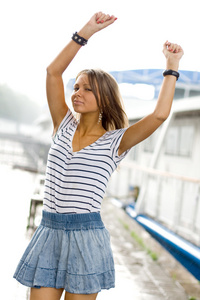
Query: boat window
(194, 93)
(134, 153)
(179, 93)
(186, 140)
(150, 142)
(179, 140)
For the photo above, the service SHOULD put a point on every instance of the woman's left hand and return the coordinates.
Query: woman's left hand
(173, 53)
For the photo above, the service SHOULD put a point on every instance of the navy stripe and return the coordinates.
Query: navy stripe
(90, 166)
(58, 144)
(78, 170)
(78, 176)
(45, 204)
(66, 207)
(55, 149)
(72, 195)
(69, 118)
(73, 182)
(91, 172)
(67, 201)
(50, 154)
(96, 160)
(76, 181)
(77, 207)
(94, 154)
(73, 189)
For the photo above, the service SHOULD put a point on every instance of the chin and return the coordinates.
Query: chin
(77, 110)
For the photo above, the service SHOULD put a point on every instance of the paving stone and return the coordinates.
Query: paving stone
(138, 277)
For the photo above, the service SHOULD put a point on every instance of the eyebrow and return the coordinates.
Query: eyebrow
(76, 84)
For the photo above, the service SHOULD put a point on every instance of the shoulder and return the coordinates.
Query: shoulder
(115, 134)
(68, 121)
(114, 137)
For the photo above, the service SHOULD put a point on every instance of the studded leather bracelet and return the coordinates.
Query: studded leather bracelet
(79, 39)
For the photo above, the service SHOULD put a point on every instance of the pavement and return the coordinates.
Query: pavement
(144, 270)
(137, 275)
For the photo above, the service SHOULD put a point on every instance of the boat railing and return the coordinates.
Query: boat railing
(172, 200)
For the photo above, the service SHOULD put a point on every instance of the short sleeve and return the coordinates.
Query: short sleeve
(116, 139)
(68, 120)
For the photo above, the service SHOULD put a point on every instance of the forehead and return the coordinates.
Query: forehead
(83, 78)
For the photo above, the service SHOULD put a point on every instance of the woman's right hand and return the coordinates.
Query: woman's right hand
(55, 87)
(98, 22)
(173, 53)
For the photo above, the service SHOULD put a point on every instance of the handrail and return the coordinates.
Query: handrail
(133, 165)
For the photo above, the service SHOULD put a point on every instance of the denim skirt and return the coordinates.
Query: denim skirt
(70, 251)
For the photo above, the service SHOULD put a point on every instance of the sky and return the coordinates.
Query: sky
(33, 32)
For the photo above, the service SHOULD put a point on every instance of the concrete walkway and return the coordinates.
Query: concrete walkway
(138, 276)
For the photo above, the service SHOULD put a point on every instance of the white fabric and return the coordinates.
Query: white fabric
(76, 181)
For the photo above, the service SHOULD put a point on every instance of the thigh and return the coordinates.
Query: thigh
(45, 293)
(69, 296)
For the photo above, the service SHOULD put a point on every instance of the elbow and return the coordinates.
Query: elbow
(51, 71)
(48, 70)
(162, 119)
(161, 116)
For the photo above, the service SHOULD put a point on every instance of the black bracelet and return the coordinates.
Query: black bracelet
(79, 39)
(171, 72)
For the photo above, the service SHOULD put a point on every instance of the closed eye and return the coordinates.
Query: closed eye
(88, 89)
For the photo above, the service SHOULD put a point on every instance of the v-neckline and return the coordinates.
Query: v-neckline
(72, 138)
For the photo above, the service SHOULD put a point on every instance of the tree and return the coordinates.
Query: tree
(17, 107)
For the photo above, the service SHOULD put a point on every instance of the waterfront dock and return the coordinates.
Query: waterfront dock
(144, 270)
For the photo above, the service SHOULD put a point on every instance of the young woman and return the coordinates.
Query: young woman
(71, 248)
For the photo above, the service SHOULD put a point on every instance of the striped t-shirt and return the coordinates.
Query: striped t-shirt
(76, 181)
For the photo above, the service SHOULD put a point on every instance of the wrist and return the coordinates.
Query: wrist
(172, 64)
(86, 32)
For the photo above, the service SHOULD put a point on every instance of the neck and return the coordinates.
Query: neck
(88, 124)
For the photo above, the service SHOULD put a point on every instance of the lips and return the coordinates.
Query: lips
(77, 102)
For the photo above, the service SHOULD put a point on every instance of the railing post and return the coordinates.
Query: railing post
(159, 184)
(179, 204)
(140, 204)
(196, 210)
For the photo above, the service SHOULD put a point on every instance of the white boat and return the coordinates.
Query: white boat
(159, 180)
(166, 166)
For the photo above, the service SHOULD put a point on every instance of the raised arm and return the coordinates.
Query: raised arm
(54, 82)
(146, 126)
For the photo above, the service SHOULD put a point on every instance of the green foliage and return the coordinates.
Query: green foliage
(140, 241)
(126, 226)
(153, 255)
(17, 107)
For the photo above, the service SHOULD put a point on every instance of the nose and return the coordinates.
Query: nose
(78, 92)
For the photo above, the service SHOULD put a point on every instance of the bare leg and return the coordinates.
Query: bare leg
(45, 293)
(69, 296)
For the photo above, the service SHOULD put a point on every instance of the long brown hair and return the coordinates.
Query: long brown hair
(108, 97)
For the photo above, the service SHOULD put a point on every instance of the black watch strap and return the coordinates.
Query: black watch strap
(171, 72)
